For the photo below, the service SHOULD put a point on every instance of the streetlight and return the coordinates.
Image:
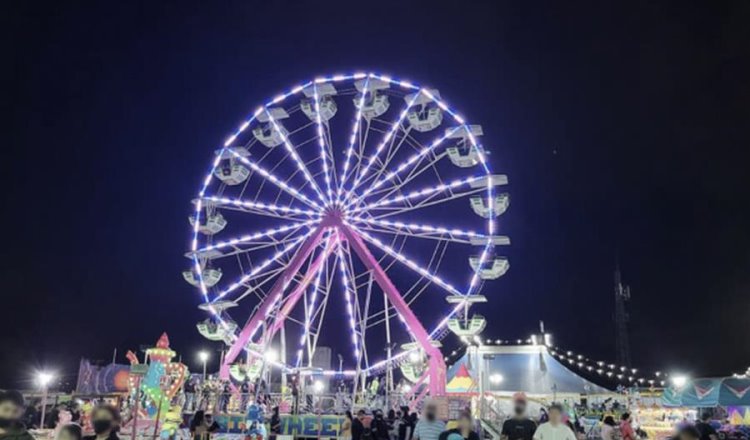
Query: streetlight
(44, 378)
(679, 381)
(203, 356)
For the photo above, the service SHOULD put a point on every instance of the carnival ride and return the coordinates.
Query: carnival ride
(153, 386)
(367, 178)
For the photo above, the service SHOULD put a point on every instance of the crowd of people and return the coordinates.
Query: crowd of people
(402, 424)
(105, 421)
(554, 423)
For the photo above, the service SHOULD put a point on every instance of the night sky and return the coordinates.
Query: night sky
(624, 130)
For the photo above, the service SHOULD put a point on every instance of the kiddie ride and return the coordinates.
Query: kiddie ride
(152, 386)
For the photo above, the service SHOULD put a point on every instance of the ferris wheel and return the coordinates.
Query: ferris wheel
(351, 211)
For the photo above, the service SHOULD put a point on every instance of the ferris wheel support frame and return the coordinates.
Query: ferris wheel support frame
(436, 370)
(253, 324)
(436, 367)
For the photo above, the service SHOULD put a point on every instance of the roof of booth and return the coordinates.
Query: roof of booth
(527, 368)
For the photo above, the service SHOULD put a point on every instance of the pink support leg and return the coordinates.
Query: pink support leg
(296, 294)
(436, 362)
(274, 294)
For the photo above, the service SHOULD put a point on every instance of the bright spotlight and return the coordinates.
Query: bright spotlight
(496, 378)
(414, 357)
(318, 386)
(203, 356)
(679, 381)
(271, 355)
(44, 378)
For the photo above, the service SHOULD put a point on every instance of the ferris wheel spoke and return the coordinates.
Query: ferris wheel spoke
(324, 158)
(270, 177)
(409, 198)
(310, 308)
(394, 147)
(386, 140)
(286, 249)
(415, 230)
(414, 291)
(260, 208)
(265, 238)
(400, 168)
(288, 303)
(411, 264)
(254, 285)
(258, 246)
(293, 153)
(383, 212)
(399, 184)
(345, 284)
(356, 128)
(312, 342)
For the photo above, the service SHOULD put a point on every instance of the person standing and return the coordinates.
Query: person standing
(465, 429)
(295, 394)
(554, 429)
(275, 422)
(11, 411)
(405, 427)
(518, 427)
(198, 425)
(358, 425)
(346, 426)
(626, 428)
(379, 426)
(608, 428)
(105, 419)
(244, 395)
(706, 431)
(429, 427)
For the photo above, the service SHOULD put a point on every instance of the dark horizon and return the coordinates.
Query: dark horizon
(623, 129)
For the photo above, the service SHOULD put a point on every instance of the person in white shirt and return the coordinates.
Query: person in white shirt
(555, 429)
(608, 428)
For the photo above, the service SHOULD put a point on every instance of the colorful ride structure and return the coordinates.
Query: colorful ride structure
(153, 386)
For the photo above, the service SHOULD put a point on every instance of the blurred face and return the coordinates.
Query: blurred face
(361, 415)
(66, 434)
(102, 421)
(9, 413)
(464, 424)
(555, 416)
(430, 412)
(519, 408)
(684, 435)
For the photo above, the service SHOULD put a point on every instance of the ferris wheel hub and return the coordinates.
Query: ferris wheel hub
(333, 216)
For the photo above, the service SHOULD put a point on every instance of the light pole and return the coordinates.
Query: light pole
(203, 356)
(44, 379)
